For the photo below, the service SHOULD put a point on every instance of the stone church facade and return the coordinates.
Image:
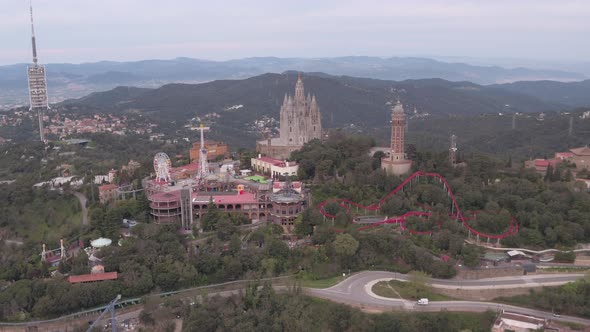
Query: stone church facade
(300, 122)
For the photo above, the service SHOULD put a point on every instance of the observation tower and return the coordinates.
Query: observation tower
(37, 84)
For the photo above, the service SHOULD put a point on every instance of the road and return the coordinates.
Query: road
(83, 201)
(356, 291)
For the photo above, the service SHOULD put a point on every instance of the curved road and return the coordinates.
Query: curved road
(356, 290)
(83, 201)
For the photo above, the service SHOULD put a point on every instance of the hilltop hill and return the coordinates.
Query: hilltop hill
(91, 77)
(343, 100)
(569, 93)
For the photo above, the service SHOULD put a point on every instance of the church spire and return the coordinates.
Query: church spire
(299, 91)
(34, 44)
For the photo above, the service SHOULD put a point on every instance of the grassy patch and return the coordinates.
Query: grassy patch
(321, 283)
(396, 288)
(573, 326)
(384, 289)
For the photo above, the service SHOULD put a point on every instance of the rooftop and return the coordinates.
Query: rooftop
(107, 187)
(101, 242)
(244, 197)
(92, 277)
(583, 151)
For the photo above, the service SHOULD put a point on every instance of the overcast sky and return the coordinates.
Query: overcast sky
(92, 30)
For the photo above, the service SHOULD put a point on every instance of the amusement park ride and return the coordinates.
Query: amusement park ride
(455, 210)
(162, 165)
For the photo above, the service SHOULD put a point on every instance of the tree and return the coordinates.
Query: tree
(345, 245)
(418, 280)
(210, 219)
(225, 229)
(470, 255)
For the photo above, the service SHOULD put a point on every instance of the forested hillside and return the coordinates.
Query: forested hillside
(342, 100)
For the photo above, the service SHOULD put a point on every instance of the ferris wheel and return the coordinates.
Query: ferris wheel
(162, 166)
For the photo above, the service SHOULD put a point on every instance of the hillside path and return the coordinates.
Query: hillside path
(83, 201)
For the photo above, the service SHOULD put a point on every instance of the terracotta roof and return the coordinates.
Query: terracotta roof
(547, 162)
(107, 187)
(92, 277)
(244, 197)
(563, 154)
(583, 151)
(273, 161)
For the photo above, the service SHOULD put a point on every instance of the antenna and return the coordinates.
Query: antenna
(34, 44)
(453, 150)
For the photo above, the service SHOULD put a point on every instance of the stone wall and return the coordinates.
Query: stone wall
(471, 274)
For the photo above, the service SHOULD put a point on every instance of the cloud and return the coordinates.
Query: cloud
(139, 29)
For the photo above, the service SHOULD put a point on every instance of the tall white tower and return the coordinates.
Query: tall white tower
(37, 83)
(203, 164)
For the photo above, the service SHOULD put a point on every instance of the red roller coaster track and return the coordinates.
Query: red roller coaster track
(455, 211)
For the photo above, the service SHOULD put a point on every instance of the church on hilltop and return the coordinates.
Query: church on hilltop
(300, 123)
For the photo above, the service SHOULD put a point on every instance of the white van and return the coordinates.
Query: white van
(423, 301)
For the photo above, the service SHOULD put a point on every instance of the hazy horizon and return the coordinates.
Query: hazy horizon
(70, 31)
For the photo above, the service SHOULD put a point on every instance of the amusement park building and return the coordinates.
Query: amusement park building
(166, 207)
(274, 167)
(287, 204)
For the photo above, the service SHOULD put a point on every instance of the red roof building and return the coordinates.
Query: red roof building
(541, 165)
(107, 193)
(92, 277)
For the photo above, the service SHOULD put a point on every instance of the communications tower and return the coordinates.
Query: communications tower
(453, 150)
(37, 83)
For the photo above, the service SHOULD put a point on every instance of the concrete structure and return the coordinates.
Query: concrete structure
(300, 123)
(274, 167)
(186, 209)
(107, 193)
(581, 157)
(37, 84)
(171, 207)
(518, 322)
(396, 163)
(214, 150)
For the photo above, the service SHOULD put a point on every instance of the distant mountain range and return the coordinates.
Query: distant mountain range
(75, 80)
(343, 100)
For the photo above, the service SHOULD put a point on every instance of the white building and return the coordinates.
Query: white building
(274, 167)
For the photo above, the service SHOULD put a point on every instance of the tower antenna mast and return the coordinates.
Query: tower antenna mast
(37, 82)
(34, 44)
